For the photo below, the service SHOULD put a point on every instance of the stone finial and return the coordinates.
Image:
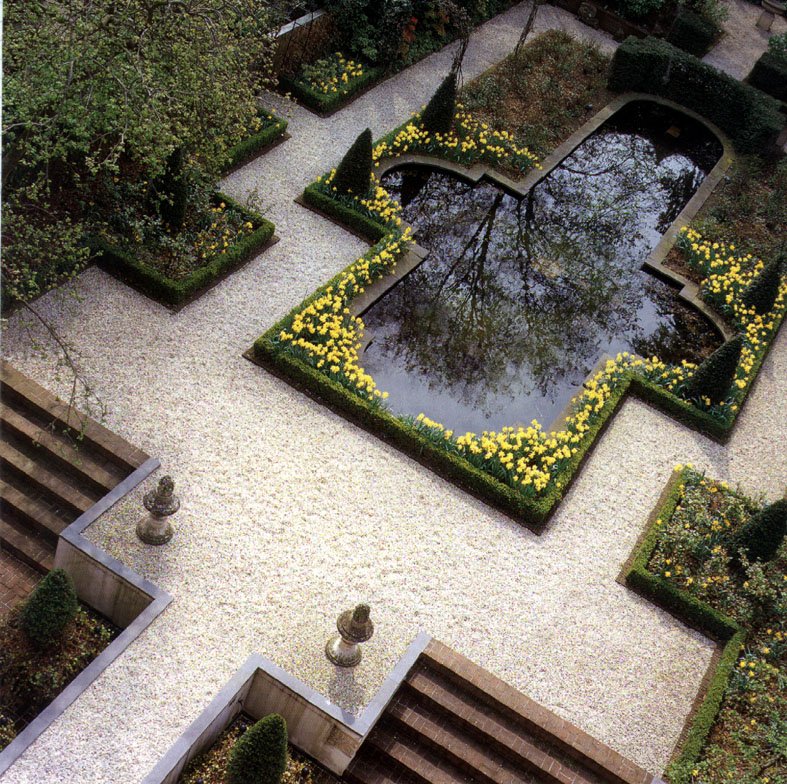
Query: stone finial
(161, 503)
(355, 626)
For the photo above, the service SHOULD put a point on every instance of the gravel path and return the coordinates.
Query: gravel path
(290, 514)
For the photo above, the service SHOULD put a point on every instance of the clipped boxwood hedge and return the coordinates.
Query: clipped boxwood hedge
(362, 224)
(326, 103)
(174, 293)
(696, 614)
(692, 33)
(649, 65)
(770, 75)
(253, 145)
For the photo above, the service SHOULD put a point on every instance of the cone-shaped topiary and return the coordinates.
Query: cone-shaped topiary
(260, 755)
(354, 174)
(50, 607)
(763, 290)
(762, 536)
(438, 116)
(714, 377)
(174, 191)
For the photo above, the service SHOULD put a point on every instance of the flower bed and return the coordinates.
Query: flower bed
(684, 564)
(234, 236)
(265, 129)
(525, 470)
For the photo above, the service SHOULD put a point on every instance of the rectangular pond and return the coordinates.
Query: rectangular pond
(520, 297)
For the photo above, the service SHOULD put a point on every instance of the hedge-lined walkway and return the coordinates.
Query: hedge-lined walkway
(290, 515)
(744, 42)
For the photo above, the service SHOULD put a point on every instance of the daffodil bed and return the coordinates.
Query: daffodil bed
(234, 237)
(328, 83)
(525, 471)
(264, 129)
(684, 564)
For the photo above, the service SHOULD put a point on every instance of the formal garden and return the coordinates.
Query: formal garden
(421, 302)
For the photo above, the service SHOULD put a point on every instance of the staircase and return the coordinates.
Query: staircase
(452, 721)
(56, 463)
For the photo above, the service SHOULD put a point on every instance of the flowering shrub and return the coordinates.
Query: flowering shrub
(692, 552)
(332, 74)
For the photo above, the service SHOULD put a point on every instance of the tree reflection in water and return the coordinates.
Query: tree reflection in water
(520, 297)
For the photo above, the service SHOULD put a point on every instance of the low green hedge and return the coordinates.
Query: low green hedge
(692, 33)
(362, 224)
(649, 65)
(696, 614)
(171, 292)
(252, 146)
(326, 103)
(770, 75)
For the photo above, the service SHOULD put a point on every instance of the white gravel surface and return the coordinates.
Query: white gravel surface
(290, 514)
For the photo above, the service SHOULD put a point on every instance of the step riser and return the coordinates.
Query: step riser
(41, 487)
(19, 518)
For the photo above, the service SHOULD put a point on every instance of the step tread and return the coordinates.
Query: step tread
(31, 509)
(28, 549)
(45, 479)
(42, 401)
(598, 757)
(59, 450)
(428, 689)
(368, 771)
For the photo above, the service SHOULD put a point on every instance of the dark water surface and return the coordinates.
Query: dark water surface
(520, 297)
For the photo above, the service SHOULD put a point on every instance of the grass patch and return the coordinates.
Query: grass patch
(684, 564)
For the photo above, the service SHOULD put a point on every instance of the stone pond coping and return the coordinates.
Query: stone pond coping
(316, 726)
(109, 587)
(689, 291)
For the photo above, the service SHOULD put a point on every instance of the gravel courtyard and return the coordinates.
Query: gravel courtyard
(290, 514)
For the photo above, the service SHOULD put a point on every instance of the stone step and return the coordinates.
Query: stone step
(469, 752)
(58, 450)
(363, 770)
(50, 408)
(427, 691)
(606, 764)
(31, 550)
(43, 479)
(31, 512)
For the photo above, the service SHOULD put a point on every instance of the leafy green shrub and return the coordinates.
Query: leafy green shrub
(51, 606)
(777, 46)
(649, 65)
(762, 536)
(714, 377)
(770, 75)
(260, 756)
(636, 9)
(7, 730)
(763, 290)
(438, 116)
(692, 33)
(354, 173)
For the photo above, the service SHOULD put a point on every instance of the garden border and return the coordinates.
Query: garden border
(108, 586)
(176, 295)
(697, 615)
(250, 148)
(340, 733)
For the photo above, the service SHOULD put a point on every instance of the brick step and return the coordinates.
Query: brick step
(31, 550)
(537, 721)
(30, 395)
(413, 759)
(471, 753)
(30, 513)
(44, 480)
(427, 692)
(370, 771)
(58, 450)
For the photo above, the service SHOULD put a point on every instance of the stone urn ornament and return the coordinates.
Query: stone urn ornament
(355, 627)
(161, 503)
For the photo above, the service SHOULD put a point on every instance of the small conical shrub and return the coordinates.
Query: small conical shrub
(762, 536)
(260, 755)
(438, 116)
(354, 173)
(49, 608)
(174, 191)
(714, 377)
(763, 290)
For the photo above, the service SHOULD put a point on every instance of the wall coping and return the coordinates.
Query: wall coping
(159, 599)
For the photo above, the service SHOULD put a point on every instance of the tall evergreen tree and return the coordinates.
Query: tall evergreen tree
(438, 116)
(714, 377)
(354, 173)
